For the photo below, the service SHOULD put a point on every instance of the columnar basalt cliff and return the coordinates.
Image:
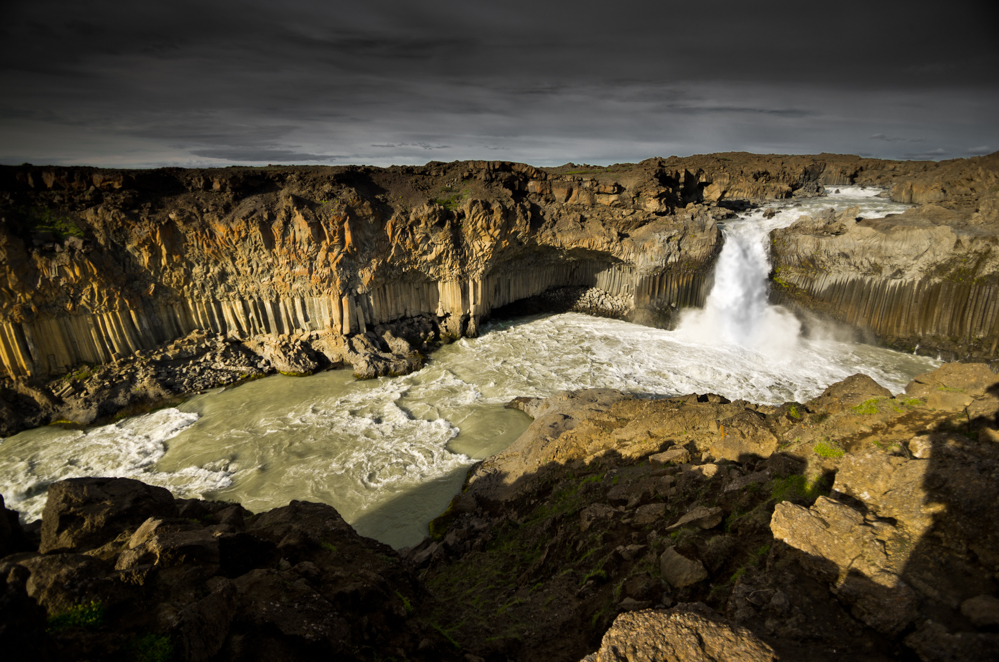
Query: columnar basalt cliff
(101, 264)
(926, 279)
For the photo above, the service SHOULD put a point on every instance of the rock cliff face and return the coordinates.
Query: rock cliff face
(98, 265)
(923, 279)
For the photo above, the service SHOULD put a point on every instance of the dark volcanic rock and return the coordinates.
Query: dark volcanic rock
(85, 513)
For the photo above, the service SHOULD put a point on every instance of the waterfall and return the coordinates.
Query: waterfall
(737, 313)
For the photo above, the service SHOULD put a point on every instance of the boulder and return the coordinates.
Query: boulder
(202, 626)
(982, 610)
(649, 514)
(84, 513)
(744, 435)
(680, 571)
(686, 633)
(852, 391)
(593, 513)
(675, 455)
(934, 643)
(170, 543)
(283, 601)
(892, 486)
(59, 582)
(843, 550)
(700, 516)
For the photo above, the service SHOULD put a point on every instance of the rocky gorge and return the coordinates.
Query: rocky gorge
(297, 269)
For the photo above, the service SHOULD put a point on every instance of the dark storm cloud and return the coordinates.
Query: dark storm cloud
(391, 81)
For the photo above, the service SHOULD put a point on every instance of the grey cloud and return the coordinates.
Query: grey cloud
(929, 155)
(257, 155)
(421, 145)
(896, 139)
(979, 151)
(547, 82)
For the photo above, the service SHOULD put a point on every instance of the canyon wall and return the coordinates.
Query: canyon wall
(925, 280)
(97, 264)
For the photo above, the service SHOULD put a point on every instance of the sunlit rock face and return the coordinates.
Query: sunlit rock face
(100, 264)
(922, 279)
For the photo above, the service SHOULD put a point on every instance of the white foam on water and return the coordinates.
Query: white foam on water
(853, 191)
(129, 449)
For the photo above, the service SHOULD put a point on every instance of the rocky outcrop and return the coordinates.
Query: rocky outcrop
(915, 280)
(686, 633)
(125, 571)
(863, 530)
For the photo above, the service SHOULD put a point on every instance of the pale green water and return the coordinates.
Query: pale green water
(390, 453)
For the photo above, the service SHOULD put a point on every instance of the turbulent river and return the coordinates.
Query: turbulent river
(389, 453)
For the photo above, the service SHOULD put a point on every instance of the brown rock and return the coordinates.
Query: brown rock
(680, 571)
(742, 436)
(203, 626)
(59, 582)
(171, 543)
(743, 482)
(85, 513)
(852, 391)
(686, 633)
(701, 516)
(675, 455)
(971, 379)
(649, 514)
(284, 601)
(593, 513)
(982, 610)
(933, 643)
(844, 551)
(892, 486)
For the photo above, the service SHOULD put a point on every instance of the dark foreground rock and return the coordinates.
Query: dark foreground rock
(127, 572)
(858, 525)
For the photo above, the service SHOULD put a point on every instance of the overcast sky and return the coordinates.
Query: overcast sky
(187, 83)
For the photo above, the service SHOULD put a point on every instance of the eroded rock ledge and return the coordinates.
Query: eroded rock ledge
(858, 525)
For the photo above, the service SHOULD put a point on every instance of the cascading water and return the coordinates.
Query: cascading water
(736, 311)
(390, 453)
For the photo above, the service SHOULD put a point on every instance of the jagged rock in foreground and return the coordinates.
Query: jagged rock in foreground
(128, 572)
(858, 525)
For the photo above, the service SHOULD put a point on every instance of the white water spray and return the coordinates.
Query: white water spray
(736, 312)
